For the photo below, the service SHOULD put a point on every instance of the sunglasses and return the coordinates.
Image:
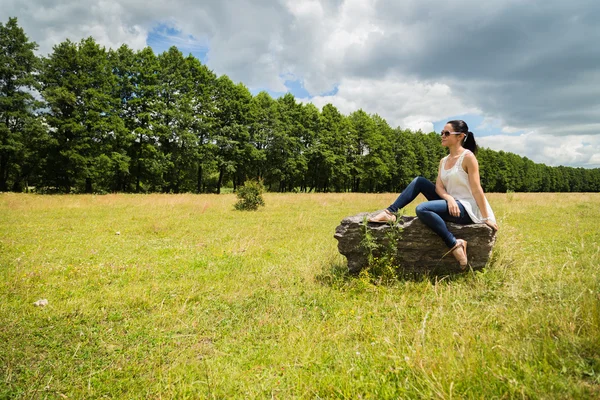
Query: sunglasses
(448, 133)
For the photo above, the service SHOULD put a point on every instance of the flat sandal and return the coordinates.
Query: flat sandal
(459, 243)
(383, 217)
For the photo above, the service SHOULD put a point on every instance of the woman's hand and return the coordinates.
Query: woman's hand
(453, 208)
(491, 224)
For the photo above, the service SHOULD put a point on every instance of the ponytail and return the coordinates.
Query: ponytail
(469, 142)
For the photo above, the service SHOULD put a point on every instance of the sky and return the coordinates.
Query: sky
(523, 74)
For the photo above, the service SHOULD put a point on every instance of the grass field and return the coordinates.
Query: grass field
(194, 300)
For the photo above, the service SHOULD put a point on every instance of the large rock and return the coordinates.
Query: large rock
(419, 249)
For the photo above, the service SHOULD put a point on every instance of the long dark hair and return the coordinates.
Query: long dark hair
(469, 140)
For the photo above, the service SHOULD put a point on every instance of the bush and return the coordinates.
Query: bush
(250, 196)
(381, 255)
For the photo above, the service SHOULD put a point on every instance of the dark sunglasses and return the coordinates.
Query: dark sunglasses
(448, 133)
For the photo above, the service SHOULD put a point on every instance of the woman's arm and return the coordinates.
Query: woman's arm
(441, 191)
(471, 167)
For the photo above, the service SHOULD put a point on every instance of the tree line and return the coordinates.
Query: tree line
(86, 119)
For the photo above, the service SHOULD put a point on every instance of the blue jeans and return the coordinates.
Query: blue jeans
(434, 212)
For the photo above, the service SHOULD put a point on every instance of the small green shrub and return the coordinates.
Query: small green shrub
(381, 256)
(250, 196)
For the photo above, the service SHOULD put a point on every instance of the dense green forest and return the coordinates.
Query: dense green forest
(87, 119)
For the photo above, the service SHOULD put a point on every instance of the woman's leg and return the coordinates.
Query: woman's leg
(435, 213)
(418, 185)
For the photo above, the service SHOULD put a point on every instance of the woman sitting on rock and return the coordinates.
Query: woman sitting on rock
(457, 195)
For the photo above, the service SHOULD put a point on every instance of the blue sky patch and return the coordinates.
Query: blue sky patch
(164, 36)
(295, 87)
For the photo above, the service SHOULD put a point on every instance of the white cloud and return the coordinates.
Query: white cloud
(574, 150)
(408, 104)
(300, 8)
(109, 22)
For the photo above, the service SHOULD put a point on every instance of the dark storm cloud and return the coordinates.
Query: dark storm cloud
(530, 64)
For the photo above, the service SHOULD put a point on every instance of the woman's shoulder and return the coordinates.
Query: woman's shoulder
(468, 154)
(469, 159)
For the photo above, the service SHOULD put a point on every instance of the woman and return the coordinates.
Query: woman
(457, 195)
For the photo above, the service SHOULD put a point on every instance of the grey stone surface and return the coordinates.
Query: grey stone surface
(419, 249)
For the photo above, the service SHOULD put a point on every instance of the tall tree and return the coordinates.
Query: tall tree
(379, 162)
(199, 117)
(403, 150)
(18, 65)
(287, 148)
(263, 127)
(331, 164)
(362, 133)
(310, 121)
(231, 132)
(143, 119)
(82, 112)
(175, 143)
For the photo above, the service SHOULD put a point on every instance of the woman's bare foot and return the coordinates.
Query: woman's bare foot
(459, 251)
(383, 217)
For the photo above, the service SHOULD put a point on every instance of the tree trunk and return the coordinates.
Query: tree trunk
(67, 184)
(3, 172)
(220, 181)
(4, 163)
(118, 184)
(17, 187)
(199, 185)
(139, 167)
(137, 178)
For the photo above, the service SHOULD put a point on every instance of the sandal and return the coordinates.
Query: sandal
(383, 217)
(461, 257)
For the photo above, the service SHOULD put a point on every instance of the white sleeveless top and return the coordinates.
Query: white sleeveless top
(456, 182)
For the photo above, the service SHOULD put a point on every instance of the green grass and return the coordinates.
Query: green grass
(195, 300)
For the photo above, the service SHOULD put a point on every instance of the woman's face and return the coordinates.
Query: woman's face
(449, 140)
